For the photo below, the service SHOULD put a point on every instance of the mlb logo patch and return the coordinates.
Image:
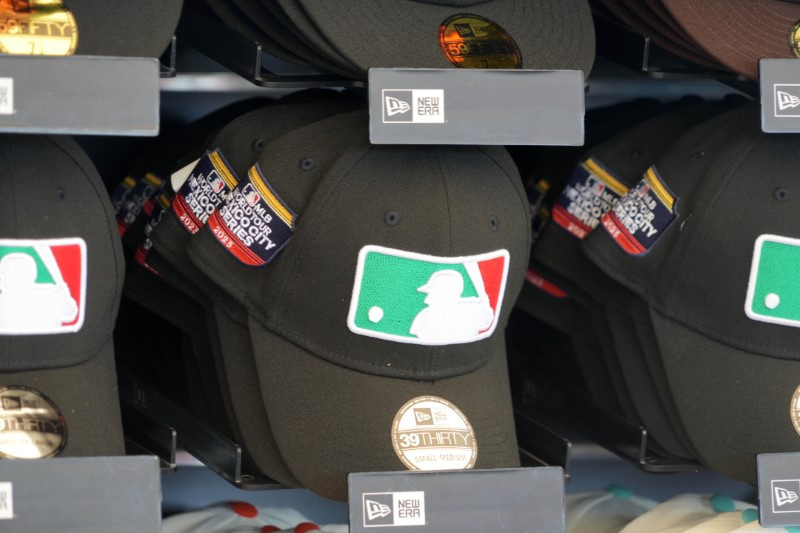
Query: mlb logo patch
(414, 298)
(42, 286)
(773, 294)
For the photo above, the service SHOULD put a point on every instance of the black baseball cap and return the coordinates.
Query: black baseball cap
(604, 174)
(292, 15)
(343, 363)
(149, 287)
(61, 274)
(111, 28)
(533, 34)
(239, 145)
(730, 366)
(254, 22)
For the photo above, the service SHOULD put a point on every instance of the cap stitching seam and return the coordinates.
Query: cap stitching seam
(298, 341)
(713, 336)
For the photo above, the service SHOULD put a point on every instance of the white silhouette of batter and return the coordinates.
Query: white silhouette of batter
(26, 305)
(448, 315)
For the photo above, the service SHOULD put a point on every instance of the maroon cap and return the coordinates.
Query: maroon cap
(740, 32)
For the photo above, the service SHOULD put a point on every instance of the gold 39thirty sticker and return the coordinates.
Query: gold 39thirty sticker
(430, 433)
(37, 27)
(471, 41)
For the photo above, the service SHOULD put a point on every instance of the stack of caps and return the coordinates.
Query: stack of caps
(64, 27)
(717, 34)
(61, 272)
(684, 277)
(348, 37)
(348, 300)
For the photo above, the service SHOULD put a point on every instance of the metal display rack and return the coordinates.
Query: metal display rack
(155, 423)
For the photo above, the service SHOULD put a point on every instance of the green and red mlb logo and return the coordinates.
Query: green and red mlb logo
(773, 291)
(415, 298)
(42, 286)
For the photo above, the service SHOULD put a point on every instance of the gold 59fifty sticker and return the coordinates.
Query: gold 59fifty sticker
(471, 41)
(430, 433)
(37, 27)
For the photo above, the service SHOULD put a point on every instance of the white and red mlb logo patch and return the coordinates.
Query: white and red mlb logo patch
(42, 286)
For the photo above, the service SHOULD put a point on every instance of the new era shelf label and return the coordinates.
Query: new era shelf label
(476, 106)
(505, 499)
(86, 494)
(83, 95)
(6, 96)
(780, 95)
(779, 489)
(6, 501)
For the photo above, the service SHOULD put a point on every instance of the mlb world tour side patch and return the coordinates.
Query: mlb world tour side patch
(253, 223)
(134, 201)
(642, 215)
(591, 192)
(414, 298)
(42, 286)
(155, 209)
(210, 182)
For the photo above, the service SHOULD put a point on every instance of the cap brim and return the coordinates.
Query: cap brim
(640, 383)
(87, 397)
(734, 404)
(297, 21)
(330, 421)
(652, 360)
(550, 34)
(241, 382)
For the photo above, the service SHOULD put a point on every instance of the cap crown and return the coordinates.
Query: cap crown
(51, 191)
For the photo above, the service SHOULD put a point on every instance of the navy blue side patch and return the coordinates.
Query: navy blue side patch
(590, 193)
(642, 215)
(253, 223)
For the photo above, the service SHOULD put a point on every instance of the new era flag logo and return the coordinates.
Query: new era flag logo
(395, 106)
(784, 496)
(786, 100)
(376, 510)
(413, 298)
(42, 286)
(773, 292)
(391, 509)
